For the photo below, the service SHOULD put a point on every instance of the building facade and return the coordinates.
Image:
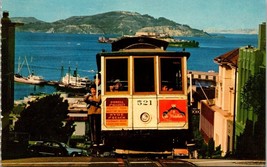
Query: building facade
(251, 62)
(217, 118)
(225, 121)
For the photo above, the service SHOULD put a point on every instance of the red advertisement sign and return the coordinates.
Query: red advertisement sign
(172, 111)
(116, 112)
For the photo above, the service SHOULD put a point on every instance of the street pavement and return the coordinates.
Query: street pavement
(125, 162)
(95, 162)
(225, 162)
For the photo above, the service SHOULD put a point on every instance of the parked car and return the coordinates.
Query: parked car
(54, 148)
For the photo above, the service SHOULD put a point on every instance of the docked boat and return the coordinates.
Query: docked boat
(103, 39)
(74, 82)
(31, 78)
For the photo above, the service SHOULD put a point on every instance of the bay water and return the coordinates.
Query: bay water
(47, 53)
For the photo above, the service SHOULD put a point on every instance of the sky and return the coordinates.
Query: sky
(199, 14)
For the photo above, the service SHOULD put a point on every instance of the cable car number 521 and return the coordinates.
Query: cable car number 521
(144, 102)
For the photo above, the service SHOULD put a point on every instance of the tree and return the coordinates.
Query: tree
(211, 146)
(253, 93)
(253, 96)
(44, 117)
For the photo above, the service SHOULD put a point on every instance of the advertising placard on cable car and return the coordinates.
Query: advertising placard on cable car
(173, 111)
(116, 112)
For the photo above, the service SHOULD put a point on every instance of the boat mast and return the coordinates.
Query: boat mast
(19, 65)
(61, 73)
(28, 66)
(69, 75)
(76, 74)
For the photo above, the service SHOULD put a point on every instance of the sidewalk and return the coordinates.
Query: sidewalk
(222, 162)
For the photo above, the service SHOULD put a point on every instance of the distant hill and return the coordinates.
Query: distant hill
(235, 31)
(116, 22)
(26, 20)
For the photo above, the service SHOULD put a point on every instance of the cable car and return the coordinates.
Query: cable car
(144, 95)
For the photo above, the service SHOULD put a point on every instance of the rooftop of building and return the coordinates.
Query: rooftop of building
(230, 58)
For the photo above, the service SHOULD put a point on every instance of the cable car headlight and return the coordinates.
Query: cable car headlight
(145, 117)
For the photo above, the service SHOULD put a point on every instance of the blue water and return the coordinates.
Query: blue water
(47, 53)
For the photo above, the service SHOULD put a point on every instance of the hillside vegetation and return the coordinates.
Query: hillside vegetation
(116, 22)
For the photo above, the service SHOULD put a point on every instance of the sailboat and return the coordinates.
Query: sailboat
(31, 78)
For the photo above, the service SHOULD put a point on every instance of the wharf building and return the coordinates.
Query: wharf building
(228, 119)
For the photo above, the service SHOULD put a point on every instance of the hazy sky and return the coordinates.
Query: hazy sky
(200, 14)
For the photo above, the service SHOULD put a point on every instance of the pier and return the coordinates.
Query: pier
(205, 78)
(209, 76)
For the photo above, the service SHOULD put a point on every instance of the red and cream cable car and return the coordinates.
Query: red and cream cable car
(144, 95)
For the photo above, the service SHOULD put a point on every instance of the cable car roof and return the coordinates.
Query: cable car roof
(139, 46)
(140, 42)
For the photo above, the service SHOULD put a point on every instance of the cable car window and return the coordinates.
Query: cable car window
(144, 80)
(171, 74)
(116, 75)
